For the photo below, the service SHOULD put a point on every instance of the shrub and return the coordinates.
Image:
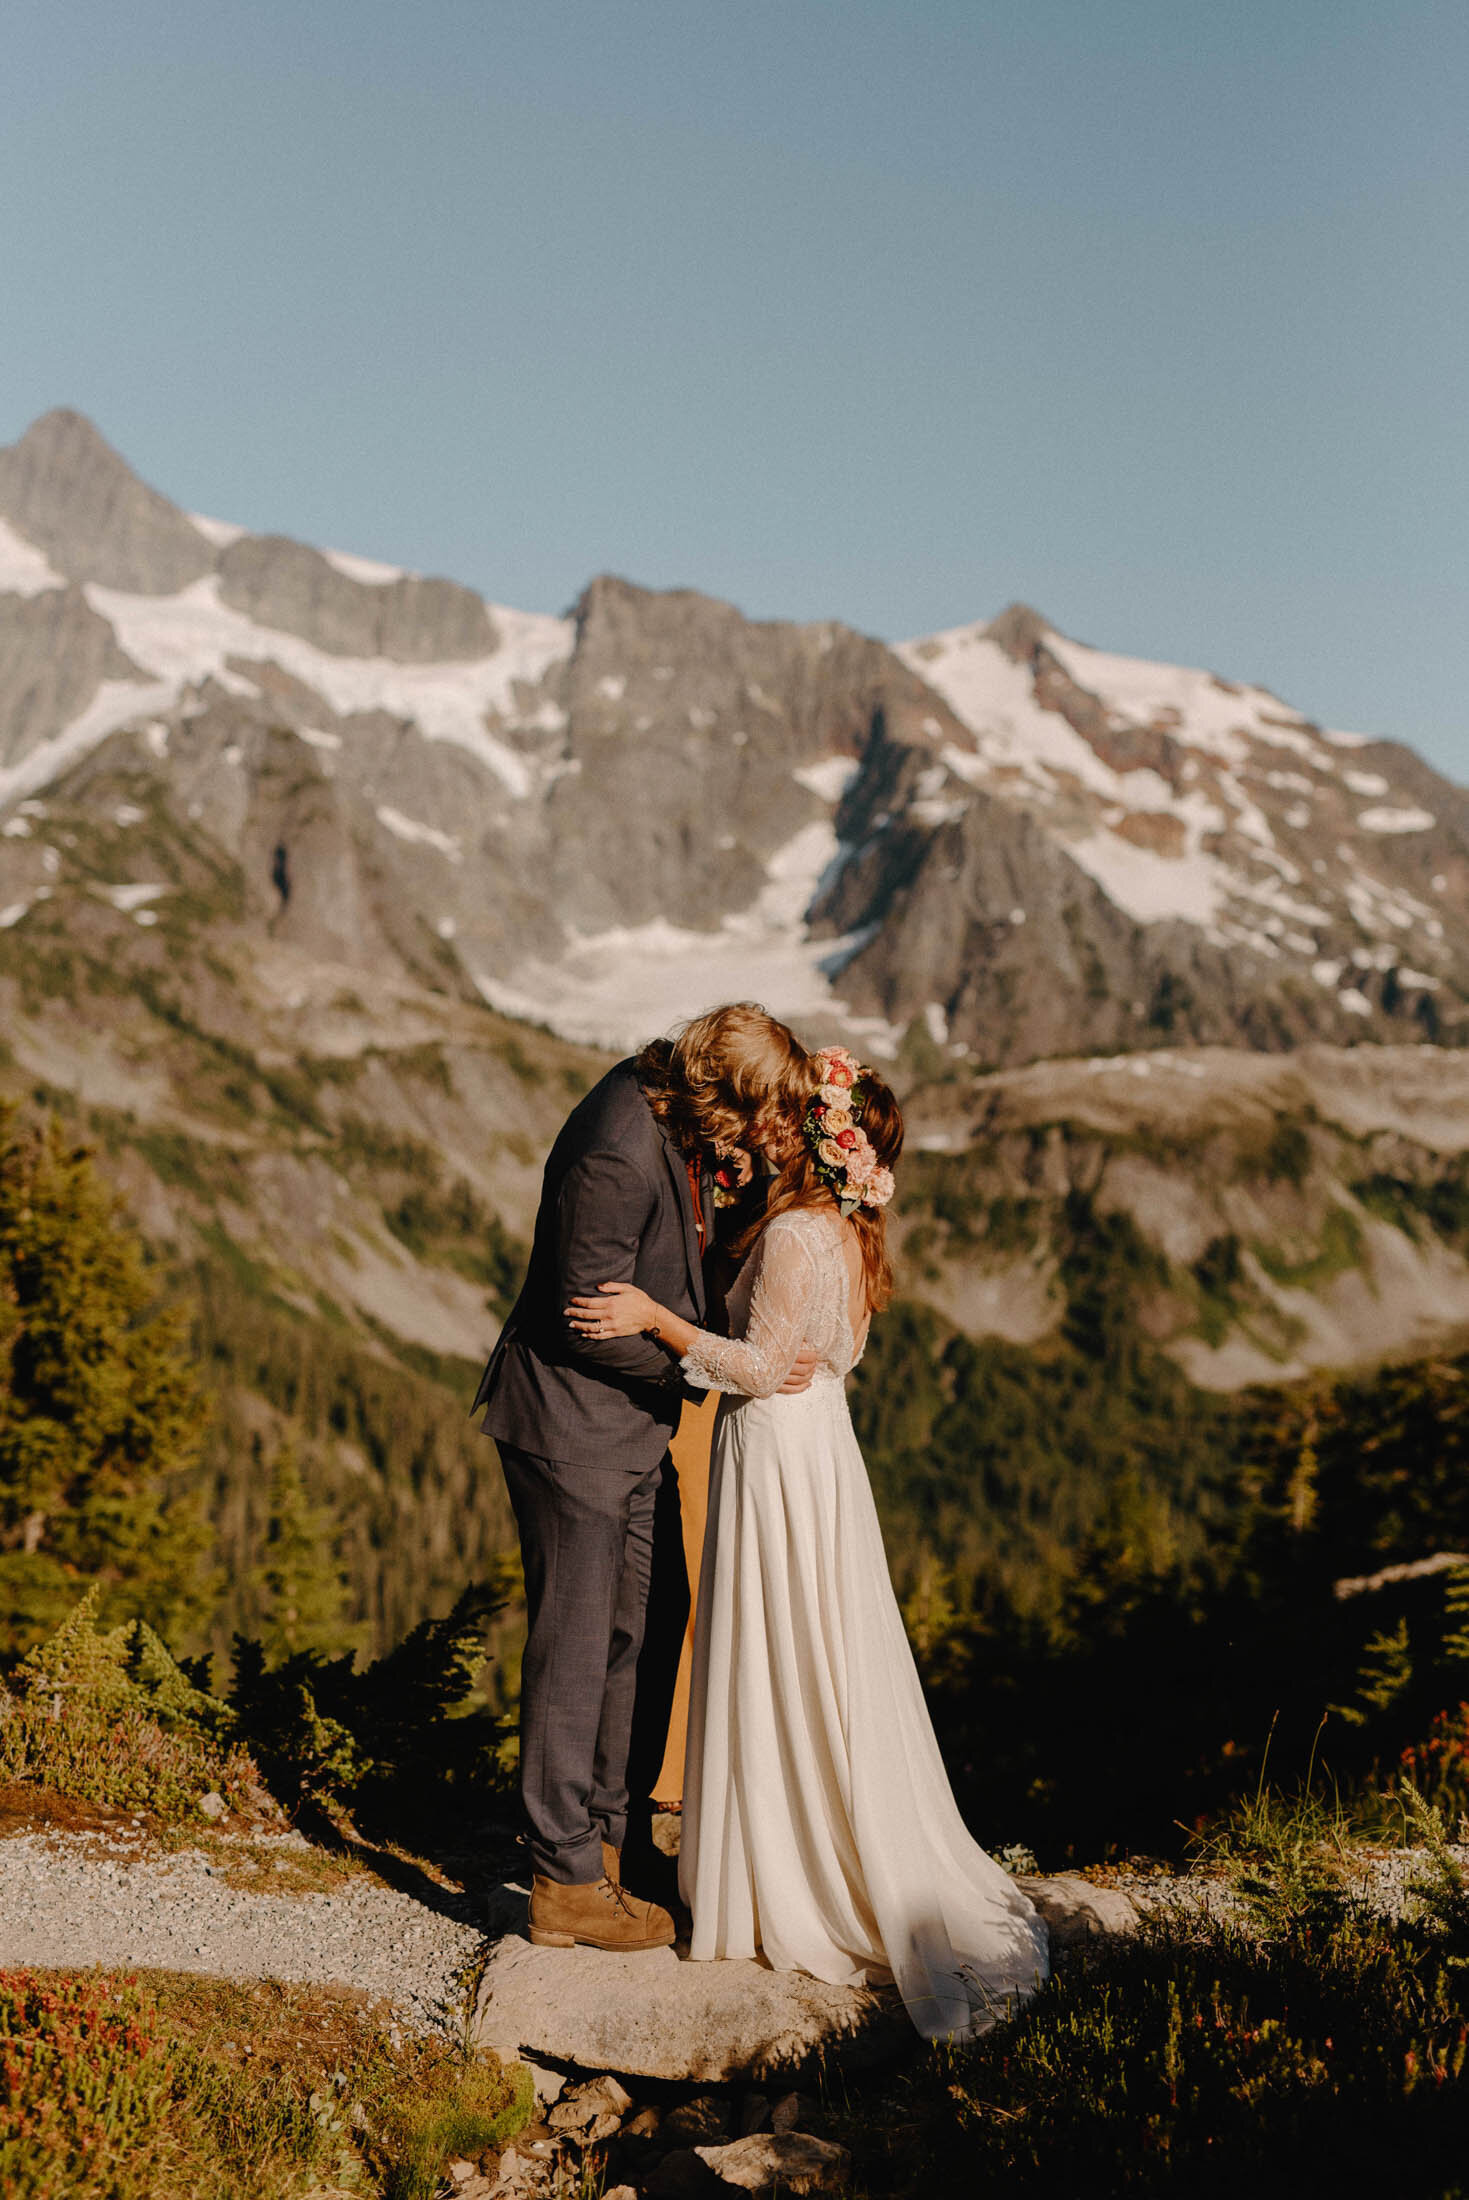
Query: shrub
(1301, 2043)
(182, 2088)
(85, 2080)
(111, 1719)
(404, 1738)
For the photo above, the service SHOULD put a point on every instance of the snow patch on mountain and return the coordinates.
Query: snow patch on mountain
(24, 571)
(1390, 820)
(115, 704)
(371, 572)
(221, 532)
(619, 987)
(995, 698)
(424, 836)
(191, 637)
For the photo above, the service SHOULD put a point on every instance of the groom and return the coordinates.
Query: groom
(583, 1427)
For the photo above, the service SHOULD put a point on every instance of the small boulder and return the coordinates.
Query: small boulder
(652, 2016)
(213, 1805)
(787, 2162)
(696, 2122)
(682, 2176)
(1075, 1911)
(549, 2084)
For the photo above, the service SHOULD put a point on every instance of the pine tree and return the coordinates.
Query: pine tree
(303, 1592)
(100, 1415)
(1384, 1675)
(1454, 1650)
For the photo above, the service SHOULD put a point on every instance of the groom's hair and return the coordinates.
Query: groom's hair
(712, 1078)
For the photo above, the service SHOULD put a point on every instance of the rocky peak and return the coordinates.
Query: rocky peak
(1019, 631)
(404, 617)
(71, 494)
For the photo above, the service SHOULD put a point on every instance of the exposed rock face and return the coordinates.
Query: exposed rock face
(1304, 1210)
(652, 2016)
(690, 728)
(1283, 880)
(66, 490)
(984, 915)
(285, 585)
(609, 822)
(55, 652)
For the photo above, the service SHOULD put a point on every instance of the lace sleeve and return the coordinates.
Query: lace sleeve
(756, 1364)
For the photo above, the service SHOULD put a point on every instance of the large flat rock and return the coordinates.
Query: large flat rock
(656, 2015)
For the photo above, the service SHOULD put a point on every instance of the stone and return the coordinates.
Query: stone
(754, 2114)
(620, 2192)
(644, 2125)
(681, 2176)
(654, 2016)
(461, 2171)
(1076, 1912)
(705, 2118)
(213, 1805)
(549, 2084)
(788, 2162)
(594, 2110)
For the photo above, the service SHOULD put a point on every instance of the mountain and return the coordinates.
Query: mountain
(601, 821)
(323, 884)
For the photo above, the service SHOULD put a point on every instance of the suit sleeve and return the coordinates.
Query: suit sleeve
(603, 1208)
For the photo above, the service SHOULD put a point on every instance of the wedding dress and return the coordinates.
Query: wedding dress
(818, 1822)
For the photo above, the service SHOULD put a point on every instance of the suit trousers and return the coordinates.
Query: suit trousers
(586, 1539)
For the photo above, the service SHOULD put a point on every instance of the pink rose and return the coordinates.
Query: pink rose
(837, 1120)
(879, 1188)
(831, 1153)
(860, 1163)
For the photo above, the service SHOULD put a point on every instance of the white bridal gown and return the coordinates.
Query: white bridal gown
(818, 1822)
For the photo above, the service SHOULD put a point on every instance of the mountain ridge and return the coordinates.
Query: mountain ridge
(1029, 845)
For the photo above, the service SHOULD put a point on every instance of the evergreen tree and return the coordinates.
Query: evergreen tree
(100, 1415)
(303, 1592)
(1454, 1651)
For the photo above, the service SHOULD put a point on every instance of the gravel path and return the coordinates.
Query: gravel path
(65, 1902)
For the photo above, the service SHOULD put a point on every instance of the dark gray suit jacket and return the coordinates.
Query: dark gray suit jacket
(615, 1208)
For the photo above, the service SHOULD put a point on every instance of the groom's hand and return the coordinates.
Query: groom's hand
(800, 1375)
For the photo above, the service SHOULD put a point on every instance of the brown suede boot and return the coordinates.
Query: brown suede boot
(599, 1914)
(612, 1863)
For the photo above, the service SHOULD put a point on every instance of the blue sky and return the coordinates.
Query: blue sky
(1151, 312)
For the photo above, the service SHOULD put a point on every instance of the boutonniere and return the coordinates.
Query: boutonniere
(731, 1173)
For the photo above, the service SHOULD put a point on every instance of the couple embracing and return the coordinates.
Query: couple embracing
(819, 1830)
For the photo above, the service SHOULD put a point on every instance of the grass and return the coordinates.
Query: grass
(1290, 2041)
(162, 2086)
(1341, 1247)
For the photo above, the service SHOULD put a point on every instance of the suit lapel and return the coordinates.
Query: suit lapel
(678, 1169)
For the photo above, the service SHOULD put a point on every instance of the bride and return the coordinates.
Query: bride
(818, 1824)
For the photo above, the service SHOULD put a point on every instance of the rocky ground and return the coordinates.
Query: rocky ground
(685, 2079)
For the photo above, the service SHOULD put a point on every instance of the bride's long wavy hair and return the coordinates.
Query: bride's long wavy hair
(798, 1185)
(708, 1083)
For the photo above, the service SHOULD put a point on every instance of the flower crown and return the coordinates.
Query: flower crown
(845, 1160)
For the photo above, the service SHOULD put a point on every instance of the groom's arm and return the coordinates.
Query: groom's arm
(603, 1208)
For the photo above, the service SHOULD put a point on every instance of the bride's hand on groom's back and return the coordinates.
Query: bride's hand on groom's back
(616, 1310)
